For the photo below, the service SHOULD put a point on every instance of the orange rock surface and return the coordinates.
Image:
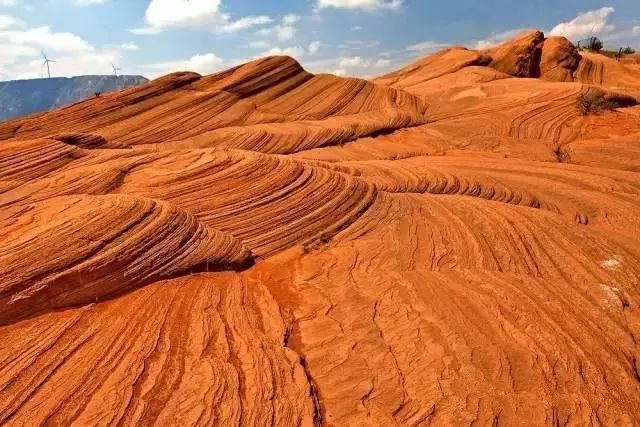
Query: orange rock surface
(452, 243)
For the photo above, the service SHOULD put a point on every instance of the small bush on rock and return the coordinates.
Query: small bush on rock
(594, 102)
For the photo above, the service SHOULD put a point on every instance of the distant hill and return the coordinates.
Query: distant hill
(20, 98)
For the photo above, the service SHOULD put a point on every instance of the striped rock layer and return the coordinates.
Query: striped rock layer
(452, 243)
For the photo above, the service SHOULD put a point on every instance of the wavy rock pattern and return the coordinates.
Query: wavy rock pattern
(29, 160)
(203, 349)
(441, 320)
(438, 65)
(599, 70)
(70, 251)
(263, 97)
(584, 194)
(225, 190)
(452, 243)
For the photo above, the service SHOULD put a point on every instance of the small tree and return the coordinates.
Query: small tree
(594, 44)
(97, 94)
(628, 50)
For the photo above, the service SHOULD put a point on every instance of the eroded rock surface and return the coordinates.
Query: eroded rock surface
(452, 243)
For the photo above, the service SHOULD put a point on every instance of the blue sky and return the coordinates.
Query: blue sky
(349, 37)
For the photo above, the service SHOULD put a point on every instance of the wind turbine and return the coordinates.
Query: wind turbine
(115, 70)
(46, 62)
(115, 73)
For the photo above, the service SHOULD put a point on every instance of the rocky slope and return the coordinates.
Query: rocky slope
(20, 98)
(453, 243)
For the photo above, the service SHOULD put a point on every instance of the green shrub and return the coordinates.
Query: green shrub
(592, 43)
(594, 102)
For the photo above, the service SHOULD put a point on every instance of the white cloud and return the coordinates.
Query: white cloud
(314, 47)
(359, 66)
(44, 38)
(359, 44)
(356, 28)
(12, 52)
(586, 24)
(284, 31)
(353, 62)
(20, 55)
(294, 51)
(146, 31)
(243, 23)
(165, 14)
(94, 62)
(181, 13)
(7, 21)
(200, 63)
(259, 44)
(343, 65)
(381, 63)
(97, 61)
(426, 46)
(129, 46)
(623, 36)
(290, 19)
(8, 2)
(360, 4)
(497, 38)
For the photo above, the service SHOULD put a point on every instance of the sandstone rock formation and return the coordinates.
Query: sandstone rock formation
(519, 57)
(559, 60)
(452, 243)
